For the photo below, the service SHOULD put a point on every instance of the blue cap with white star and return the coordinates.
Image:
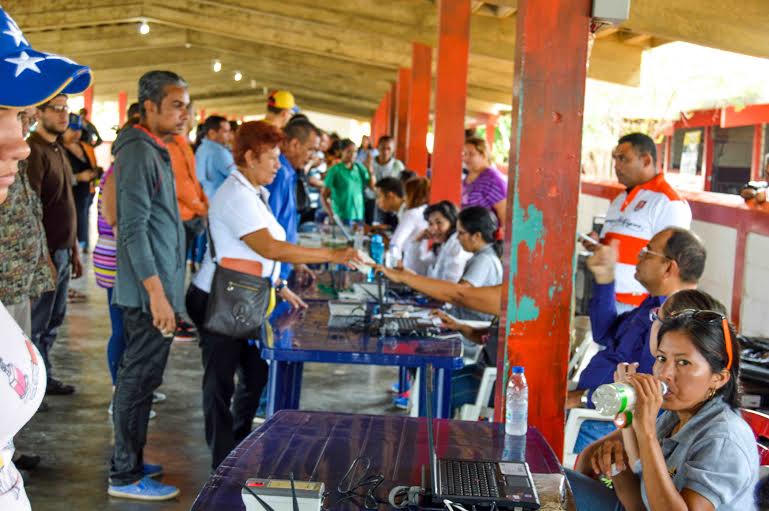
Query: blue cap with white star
(29, 77)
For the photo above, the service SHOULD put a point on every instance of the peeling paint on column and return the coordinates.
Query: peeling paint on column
(528, 228)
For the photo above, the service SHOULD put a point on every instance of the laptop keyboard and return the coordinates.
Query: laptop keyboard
(468, 478)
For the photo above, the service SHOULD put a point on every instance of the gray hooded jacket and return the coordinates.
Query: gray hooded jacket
(150, 233)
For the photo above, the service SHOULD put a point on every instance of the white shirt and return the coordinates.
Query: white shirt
(22, 387)
(411, 223)
(633, 219)
(450, 262)
(238, 209)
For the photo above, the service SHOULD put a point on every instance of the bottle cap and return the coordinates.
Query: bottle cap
(517, 369)
(376, 238)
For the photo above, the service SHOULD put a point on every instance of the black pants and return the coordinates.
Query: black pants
(139, 374)
(227, 421)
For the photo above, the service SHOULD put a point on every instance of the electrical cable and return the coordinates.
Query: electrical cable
(348, 487)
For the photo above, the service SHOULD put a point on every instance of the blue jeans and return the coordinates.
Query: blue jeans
(591, 494)
(48, 311)
(590, 431)
(116, 343)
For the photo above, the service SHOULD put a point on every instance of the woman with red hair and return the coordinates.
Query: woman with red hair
(243, 228)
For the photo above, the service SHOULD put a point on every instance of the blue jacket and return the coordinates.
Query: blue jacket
(283, 204)
(213, 163)
(625, 337)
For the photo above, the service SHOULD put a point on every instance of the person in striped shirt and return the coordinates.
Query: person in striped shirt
(648, 205)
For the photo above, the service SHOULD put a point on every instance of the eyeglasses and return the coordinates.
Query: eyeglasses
(707, 317)
(58, 108)
(644, 251)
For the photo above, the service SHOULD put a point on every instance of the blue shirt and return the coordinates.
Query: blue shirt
(625, 337)
(714, 454)
(283, 204)
(213, 163)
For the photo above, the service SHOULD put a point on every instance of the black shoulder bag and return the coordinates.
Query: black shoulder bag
(238, 301)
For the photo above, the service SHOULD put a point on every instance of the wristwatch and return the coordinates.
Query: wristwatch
(281, 285)
(584, 398)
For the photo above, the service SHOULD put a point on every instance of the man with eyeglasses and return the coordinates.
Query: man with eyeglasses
(674, 259)
(51, 177)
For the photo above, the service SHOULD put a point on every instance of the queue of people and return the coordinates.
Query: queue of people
(686, 449)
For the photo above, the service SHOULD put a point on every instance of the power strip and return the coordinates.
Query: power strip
(277, 494)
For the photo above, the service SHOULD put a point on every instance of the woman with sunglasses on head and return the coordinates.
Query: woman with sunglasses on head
(699, 454)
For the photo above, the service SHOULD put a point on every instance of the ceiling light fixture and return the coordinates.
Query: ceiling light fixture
(217, 66)
(144, 28)
(238, 76)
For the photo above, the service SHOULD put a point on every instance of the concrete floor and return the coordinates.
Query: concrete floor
(74, 436)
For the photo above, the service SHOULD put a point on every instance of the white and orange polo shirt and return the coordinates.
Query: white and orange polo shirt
(633, 218)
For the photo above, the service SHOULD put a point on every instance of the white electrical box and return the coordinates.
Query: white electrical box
(277, 494)
(611, 11)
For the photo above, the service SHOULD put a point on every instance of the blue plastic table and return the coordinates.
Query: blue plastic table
(320, 446)
(304, 336)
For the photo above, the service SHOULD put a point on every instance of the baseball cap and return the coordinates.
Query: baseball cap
(29, 77)
(282, 99)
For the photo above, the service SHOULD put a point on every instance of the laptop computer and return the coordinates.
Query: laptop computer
(508, 484)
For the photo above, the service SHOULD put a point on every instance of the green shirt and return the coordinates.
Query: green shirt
(347, 186)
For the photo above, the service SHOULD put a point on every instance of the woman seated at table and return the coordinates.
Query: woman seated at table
(244, 229)
(409, 201)
(437, 247)
(699, 454)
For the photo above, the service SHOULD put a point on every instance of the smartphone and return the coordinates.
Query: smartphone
(585, 237)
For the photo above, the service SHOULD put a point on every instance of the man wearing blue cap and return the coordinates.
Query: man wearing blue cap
(150, 284)
(27, 78)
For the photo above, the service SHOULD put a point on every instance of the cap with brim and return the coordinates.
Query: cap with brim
(29, 77)
(282, 99)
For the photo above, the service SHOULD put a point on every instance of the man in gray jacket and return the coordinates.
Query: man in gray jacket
(150, 282)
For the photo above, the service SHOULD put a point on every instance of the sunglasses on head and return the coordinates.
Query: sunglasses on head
(707, 317)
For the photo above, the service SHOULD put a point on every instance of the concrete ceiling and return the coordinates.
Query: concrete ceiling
(343, 56)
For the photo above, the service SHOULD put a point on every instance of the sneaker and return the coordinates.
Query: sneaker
(56, 388)
(401, 402)
(395, 388)
(144, 489)
(158, 397)
(26, 461)
(151, 470)
(185, 332)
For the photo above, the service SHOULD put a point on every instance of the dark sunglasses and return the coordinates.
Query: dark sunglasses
(707, 317)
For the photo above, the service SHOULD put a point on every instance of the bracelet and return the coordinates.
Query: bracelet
(281, 286)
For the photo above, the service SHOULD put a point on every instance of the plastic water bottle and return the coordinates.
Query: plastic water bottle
(517, 409)
(614, 398)
(376, 249)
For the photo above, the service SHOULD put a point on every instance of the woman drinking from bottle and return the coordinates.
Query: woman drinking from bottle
(698, 454)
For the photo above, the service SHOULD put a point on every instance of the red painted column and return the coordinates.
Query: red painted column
(543, 191)
(708, 158)
(201, 115)
(402, 113)
(450, 99)
(419, 107)
(122, 107)
(491, 128)
(88, 102)
(755, 167)
(391, 112)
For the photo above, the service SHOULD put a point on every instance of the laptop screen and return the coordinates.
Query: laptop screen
(430, 433)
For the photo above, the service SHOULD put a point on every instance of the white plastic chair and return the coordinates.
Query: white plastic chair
(473, 411)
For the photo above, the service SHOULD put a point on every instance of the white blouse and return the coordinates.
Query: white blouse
(238, 209)
(449, 263)
(411, 223)
(22, 387)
